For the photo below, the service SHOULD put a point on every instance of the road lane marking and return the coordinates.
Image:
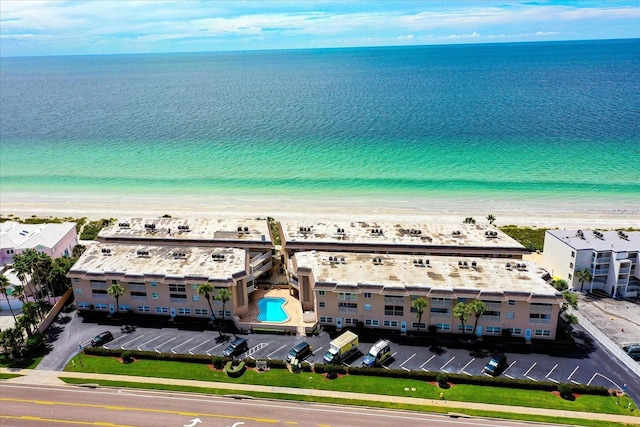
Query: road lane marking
(412, 356)
(67, 422)
(276, 350)
(450, 360)
(574, 371)
(429, 360)
(526, 374)
(180, 345)
(193, 348)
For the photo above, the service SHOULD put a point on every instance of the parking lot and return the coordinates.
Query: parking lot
(588, 365)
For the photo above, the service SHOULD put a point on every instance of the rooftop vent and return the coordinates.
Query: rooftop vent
(150, 226)
(142, 254)
(106, 252)
(340, 231)
(343, 260)
(377, 260)
(377, 231)
(623, 235)
(474, 264)
(456, 233)
(580, 234)
(491, 234)
(183, 228)
(124, 225)
(415, 232)
(305, 230)
(218, 257)
(179, 254)
(508, 266)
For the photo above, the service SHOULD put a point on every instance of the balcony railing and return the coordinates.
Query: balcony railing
(441, 315)
(178, 300)
(294, 283)
(602, 260)
(490, 318)
(347, 310)
(138, 298)
(600, 272)
(493, 305)
(394, 300)
(541, 309)
(540, 321)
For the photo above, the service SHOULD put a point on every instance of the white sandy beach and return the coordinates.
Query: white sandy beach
(524, 213)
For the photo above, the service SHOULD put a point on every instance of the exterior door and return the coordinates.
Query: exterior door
(173, 312)
(339, 323)
(479, 331)
(112, 308)
(403, 327)
(527, 335)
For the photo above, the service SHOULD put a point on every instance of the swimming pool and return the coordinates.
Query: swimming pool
(272, 310)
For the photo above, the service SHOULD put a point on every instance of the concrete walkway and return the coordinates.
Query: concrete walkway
(53, 378)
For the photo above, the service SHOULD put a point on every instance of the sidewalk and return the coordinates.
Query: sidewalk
(53, 378)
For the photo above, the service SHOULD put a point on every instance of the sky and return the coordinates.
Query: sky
(38, 28)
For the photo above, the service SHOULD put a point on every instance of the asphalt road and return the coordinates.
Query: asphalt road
(24, 405)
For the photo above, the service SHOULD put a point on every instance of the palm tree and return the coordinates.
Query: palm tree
(5, 284)
(419, 304)
(462, 312)
(77, 251)
(223, 295)
(29, 315)
(584, 276)
(116, 291)
(21, 266)
(18, 292)
(206, 290)
(477, 308)
(12, 338)
(491, 218)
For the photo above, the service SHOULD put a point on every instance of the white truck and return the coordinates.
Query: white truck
(378, 354)
(341, 348)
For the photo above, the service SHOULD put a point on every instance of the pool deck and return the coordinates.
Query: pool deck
(292, 307)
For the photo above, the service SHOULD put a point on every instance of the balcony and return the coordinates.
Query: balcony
(601, 260)
(493, 305)
(490, 319)
(600, 272)
(138, 298)
(440, 315)
(540, 321)
(294, 283)
(348, 310)
(394, 300)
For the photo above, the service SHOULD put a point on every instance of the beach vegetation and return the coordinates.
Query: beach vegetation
(92, 228)
(469, 220)
(275, 231)
(530, 238)
(419, 305)
(491, 218)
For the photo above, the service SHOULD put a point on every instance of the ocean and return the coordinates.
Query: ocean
(550, 123)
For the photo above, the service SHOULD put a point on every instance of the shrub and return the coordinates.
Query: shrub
(331, 371)
(306, 367)
(218, 361)
(442, 379)
(126, 356)
(565, 390)
(36, 341)
(235, 371)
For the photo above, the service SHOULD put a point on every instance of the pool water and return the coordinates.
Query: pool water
(272, 310)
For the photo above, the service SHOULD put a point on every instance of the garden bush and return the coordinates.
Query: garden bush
(442, 379)
(235, 371)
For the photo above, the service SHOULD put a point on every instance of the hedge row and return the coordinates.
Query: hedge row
(481, 380)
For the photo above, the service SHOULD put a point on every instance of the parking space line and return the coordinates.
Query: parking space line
(429, 360)
(173, 350)
(575, 382)
(118, 339)
(313, 351)
(130, 341)
(526, 374)
(465, 366)
(193, 348)
(213, 348)
(507, 368)
(166, 342)
(606, 378)
(145, 343)
(531, 378)
(508, 376)
(450, 360)
(256, 348)
(552, 369)
(412, 356)
(277, 350)
(574, 371)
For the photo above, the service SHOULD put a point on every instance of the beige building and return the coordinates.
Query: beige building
(377, 290)
(160, 262)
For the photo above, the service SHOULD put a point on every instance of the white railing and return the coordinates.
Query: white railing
(541, 309)
(441, 315)
(347, 310)
(607, 343)
(540, 321)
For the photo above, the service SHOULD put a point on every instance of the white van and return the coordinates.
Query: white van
(380, 352)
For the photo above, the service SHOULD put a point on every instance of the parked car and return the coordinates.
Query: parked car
(633, 351)
(378, 354)
(300, 351)
(236, 348)
(101, 339)
(496, 365)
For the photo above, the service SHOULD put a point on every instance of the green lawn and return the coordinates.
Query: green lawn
(27, 363)
(9, 376)
(352, 383)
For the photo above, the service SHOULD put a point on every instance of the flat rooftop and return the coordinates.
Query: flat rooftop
(199, 229)
(138, 261)
(604, 241)
(394, 233)
(15, 235)
(436, 275)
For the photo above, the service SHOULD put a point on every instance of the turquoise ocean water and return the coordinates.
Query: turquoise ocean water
(511, 122)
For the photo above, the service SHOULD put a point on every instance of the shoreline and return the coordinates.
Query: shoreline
(520, 212)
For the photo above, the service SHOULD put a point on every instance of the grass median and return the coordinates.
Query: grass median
(349, 383)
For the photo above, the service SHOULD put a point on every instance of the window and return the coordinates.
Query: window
(571, 265)
(443, 326)
(114, 282)
(154, 284)
(462, 300)
(177, 288)
(138, 296)
(542, 333)
(98, 284)
(515, 331)
(124, 307)
(394, 299)
(511, 315)
(76, 280)
(441, 301)
(324, 319)
(539, 318)
(84, 305)
(512, 302)
(78, 291)
(573, 254)
(372, 322)
(321, 304)
(99, 294)
(100, 306)
(348, 305)
(350, 321)
(179, 298)
(144, 308)
(194, 286)
(393, 310)
(162, 310)
(184, 311)
(439, 310)
(345, 296)
(467, 328)
(569, 276)
(201, 311)
(227, 313)
(415, 325)
(154, 295)
(195, 297)
(493, 329)
(367, 294)
(321, 293)
(139, 287)
(367, 307)
(391, 323)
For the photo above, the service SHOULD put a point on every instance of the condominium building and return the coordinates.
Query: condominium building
(55, 240)
(612, 258)
(160, 280)
(378, 290)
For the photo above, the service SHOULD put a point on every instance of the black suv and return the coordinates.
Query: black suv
(496, 365)
(300, 351)
(236, 348)
(101, 339)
